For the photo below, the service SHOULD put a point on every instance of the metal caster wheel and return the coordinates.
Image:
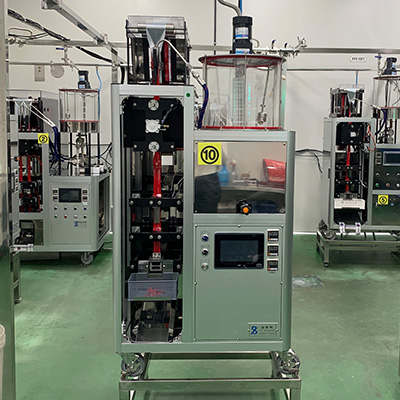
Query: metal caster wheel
(134, 368)
(87, 258)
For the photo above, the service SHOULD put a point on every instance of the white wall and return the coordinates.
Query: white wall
(340, 23)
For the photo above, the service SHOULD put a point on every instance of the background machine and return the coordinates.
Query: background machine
(362, 174)
(203, 209)
(63, 190)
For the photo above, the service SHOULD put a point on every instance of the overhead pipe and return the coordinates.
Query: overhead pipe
(230, 5)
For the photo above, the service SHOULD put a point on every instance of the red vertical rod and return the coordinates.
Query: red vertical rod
(348, 165)
(157, 193)
(28, 165)
(167, 76)
(20, 169)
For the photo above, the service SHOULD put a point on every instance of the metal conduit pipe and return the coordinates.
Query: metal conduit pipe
(230, 5)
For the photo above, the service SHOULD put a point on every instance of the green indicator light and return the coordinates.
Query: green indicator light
(187, 94)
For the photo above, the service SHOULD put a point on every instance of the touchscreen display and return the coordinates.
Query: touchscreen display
(391, 158)
(243, 251)
(239, 250)
(69, 195)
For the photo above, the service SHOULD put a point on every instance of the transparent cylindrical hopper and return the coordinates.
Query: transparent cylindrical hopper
(244, 91)
(79, 110)
(386, 95)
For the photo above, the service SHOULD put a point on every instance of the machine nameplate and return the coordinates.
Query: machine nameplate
(257, 329)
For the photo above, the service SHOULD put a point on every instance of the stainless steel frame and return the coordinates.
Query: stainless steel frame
(291, 385)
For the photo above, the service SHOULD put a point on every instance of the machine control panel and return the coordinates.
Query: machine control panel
(241, 260)
(231, 250)
(387, 169)
(69, 214)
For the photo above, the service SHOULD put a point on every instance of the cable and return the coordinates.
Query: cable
(195, 75)
(94, 55)
(58, 36)
(313, 153)
(98, 94)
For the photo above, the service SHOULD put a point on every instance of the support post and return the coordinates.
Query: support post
(6, 272)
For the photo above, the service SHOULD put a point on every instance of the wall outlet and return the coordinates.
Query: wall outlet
(39, 73)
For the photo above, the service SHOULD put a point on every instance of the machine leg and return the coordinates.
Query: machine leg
(124, 394)
(17, 279)
(295, 394)
(87, 258)
(326, 254)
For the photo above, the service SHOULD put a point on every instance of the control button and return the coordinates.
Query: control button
(85, 216)
(273, 235)
(272, 265)
(243, 207)
(273, 250)
(388, 185)
(204, 252)
(65, 208)
(204, 266)
(84, 208)
(205, 238)
(55, 216)
(65, 216)
(397, 184)
(377, 184)
(398, 174)
(377, 174)
(75, 208)
(55, 207)
(75, 216)
(387, 173)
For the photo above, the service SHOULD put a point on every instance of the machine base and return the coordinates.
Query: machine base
(284, 375)
(371, 240)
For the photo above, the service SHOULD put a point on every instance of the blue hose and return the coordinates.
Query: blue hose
(203, 108)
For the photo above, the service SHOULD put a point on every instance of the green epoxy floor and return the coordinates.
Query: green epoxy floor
(346, 332)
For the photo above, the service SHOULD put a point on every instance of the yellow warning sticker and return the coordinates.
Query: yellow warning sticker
(209, 153)
(43, 138)
(383, 200)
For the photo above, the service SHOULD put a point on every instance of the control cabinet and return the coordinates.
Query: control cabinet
(385, 183)
(79, 211)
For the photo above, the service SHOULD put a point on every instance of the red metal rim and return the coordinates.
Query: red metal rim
(252, 60)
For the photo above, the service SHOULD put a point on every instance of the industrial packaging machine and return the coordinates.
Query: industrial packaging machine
(203, 211)
(361, 175)
(61, 193)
